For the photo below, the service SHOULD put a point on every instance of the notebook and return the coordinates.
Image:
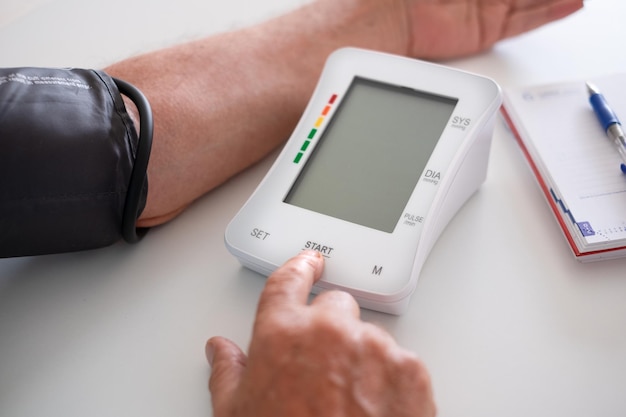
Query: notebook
(576, 165)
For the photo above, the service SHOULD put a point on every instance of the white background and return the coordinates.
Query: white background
(507, 321)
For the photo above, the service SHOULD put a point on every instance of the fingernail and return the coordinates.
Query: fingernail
(210, 352)
(311, 253)
(315, 259)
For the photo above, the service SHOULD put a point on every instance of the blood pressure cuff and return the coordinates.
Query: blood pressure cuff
(72, 166)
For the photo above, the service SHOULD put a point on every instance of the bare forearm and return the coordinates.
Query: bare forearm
(222, 103)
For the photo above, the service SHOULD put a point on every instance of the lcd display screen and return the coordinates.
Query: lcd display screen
(372, 153)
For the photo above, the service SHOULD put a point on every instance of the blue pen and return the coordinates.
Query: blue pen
(609, 121)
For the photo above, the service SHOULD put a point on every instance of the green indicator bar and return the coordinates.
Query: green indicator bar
(312, 133)
(298, 158)
(305, 145)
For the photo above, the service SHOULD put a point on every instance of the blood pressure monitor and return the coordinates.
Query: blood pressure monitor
(386, 152)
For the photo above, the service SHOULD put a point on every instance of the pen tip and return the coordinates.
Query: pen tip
(592, 89)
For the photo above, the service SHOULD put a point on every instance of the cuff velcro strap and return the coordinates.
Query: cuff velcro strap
(72, 167)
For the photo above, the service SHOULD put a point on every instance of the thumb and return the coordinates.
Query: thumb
(227, 365)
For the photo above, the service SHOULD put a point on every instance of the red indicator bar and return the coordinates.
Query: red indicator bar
(332, 99)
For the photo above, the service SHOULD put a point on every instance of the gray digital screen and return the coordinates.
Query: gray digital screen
(372, 153)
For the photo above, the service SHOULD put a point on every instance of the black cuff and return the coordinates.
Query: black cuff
(72, 167)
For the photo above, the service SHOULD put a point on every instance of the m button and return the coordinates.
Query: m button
(377, 270)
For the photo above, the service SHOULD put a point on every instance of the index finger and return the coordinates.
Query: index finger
(291, 283)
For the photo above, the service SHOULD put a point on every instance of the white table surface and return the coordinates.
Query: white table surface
(508, 322)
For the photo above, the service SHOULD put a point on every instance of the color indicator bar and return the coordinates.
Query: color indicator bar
(318, 123)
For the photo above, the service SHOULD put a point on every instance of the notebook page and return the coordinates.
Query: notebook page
(580, 160)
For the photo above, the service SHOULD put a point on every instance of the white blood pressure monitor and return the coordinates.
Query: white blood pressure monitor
(386, 152)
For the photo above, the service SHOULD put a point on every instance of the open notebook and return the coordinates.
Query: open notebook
(576, 165)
